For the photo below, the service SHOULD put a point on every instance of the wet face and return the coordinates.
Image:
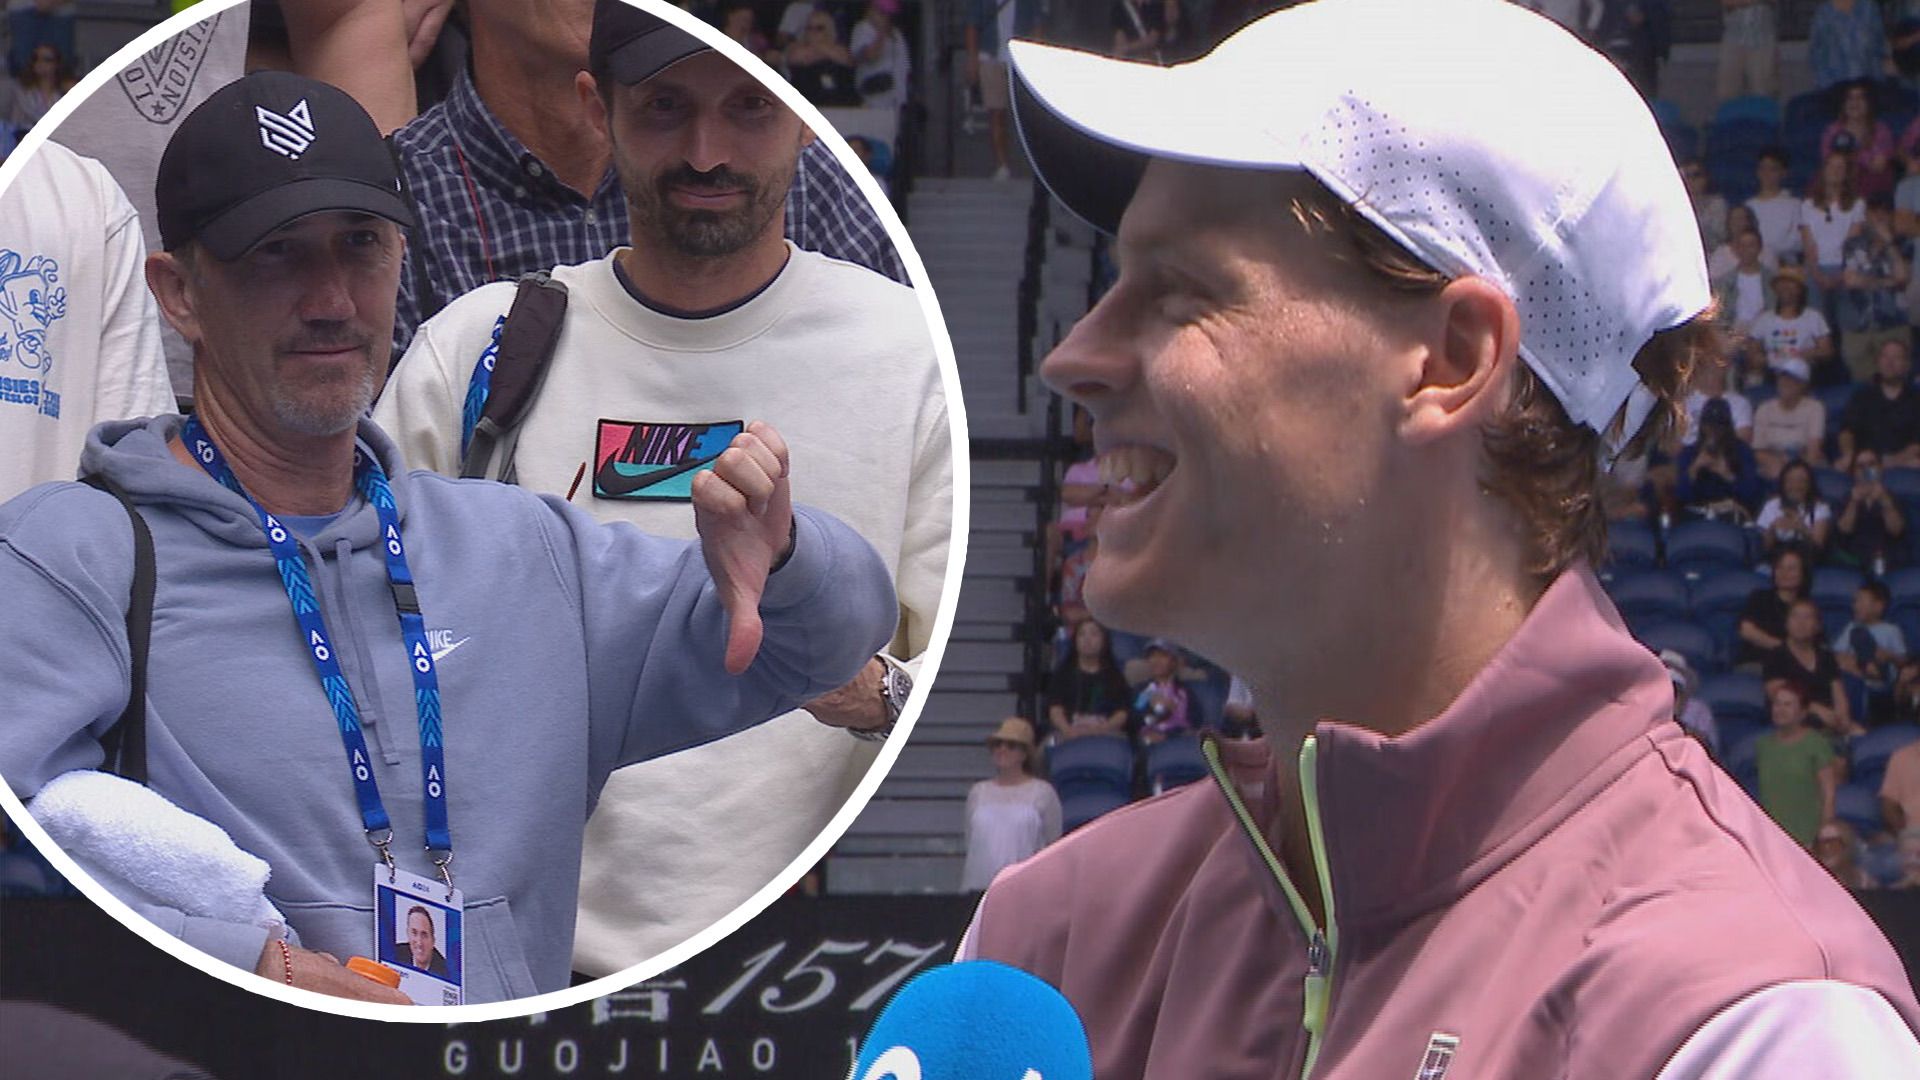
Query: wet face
(705, 155)
(420, 938)
(294, 335)
(1244, 377)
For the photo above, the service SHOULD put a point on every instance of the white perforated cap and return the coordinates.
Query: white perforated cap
(1484, 138)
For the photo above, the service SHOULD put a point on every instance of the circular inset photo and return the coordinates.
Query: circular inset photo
(520, 505)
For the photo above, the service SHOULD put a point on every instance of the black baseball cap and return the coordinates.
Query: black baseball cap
(633, 46)
(265, 150)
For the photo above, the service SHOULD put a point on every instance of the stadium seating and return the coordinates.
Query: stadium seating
(1648, 597)
(1833, 589)
(1736, 697)
(1904, 607)
(1834, 486)
(1091, 764)
(1718, 599)
(1083, 806)
(1869, 753)
(1174, 762)
(1743, 761)
(1689, 639)
(1631, 545)
(1695, 548)
(1758, 109)
(1859, 806)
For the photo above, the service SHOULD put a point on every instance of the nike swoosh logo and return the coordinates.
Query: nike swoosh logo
(614, 482)
(438, 653)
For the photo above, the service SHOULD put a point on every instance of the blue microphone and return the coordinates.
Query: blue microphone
(976, 1020)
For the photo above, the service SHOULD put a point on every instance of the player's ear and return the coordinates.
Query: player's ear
(170, 276)
(1469, 336)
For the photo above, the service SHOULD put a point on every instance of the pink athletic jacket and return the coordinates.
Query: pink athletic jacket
(1549, 880)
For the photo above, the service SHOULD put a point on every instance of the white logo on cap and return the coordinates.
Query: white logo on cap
(289, 135)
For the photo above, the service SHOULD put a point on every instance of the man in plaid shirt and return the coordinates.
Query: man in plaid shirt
(508, 178)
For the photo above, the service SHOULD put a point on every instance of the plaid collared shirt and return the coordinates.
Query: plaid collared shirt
(491, 211)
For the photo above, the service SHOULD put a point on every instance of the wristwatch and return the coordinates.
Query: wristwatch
(895, 685)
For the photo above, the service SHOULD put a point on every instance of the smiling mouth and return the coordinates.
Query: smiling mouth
(1131, 473)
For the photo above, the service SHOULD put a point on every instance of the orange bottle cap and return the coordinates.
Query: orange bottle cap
(374, 970)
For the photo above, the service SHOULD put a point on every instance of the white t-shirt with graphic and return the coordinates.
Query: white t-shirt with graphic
(1789, 337)
(79, 333)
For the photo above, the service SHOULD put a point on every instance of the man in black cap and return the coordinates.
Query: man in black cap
(709, 316)
(535, 650)
(510, 176)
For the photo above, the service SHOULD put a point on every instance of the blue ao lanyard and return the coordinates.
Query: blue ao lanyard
(372, 484)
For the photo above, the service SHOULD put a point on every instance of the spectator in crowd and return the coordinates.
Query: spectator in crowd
(1872, 649)
(1870, 530)
(34, 23)
(1884, 415)
(1749, 49)
(1872, 281)
(793, 22)
(1792, 330)
(819, 65)
(1846, 41)
(1718, 478)
(1087, 694)
(709, 313)
(1906, 194)
(1856, 131)
(995, 23)
(1900, 790)
(85, 340)
(1832, 214)
(1080, 492)
(740, 21)
(1763, 621)
(1709, 208)
(1710, 385)
(880, 57)
(1580, 17)
(510, 177)
(638, 645)
(1804, 659)
(1776, 209)
(1690, 712)
(1148, 29)
(1012, 815)
(1799, 770)
(1791, 426)
(1797, 516)
(45, 80)
(1164, 706)
(1724, 259)
(1071, 609)
(1838, 849)
(1629, 36)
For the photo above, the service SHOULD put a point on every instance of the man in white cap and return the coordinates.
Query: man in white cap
(1790, 426)
(1395, 280)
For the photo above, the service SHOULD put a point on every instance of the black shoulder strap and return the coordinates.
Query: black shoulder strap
(520, 366)
(126, 742)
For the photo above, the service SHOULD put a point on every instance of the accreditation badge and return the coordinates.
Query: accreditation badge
(418, 932)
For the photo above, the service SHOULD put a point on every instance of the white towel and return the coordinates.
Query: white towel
(145, 850)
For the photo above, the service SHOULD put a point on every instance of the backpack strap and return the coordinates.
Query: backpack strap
(520, 365)
(126, 742)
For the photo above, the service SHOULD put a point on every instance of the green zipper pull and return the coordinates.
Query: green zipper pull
(1314, 1016)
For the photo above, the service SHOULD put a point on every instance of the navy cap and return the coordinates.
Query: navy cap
(633, 46)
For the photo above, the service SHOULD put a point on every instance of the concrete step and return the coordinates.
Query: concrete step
(1002, 471)
(853, 875)
(937, 761)
(887, 846)
(982, 656)
(950, 705)
(910, 817)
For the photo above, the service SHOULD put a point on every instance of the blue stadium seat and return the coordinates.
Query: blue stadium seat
(1834, 486)
(1903, 484)
(1833, 589)
(1649, 597)
(1666, 111)
(1810, 107)
(1690, 640)
(1696, 548)
(1083, 806)
(1903, 609)
(1758, 109)
(1737, 699)
(1870, 752)
(1718, 599)
(1835, 398)
(1743, 762)
(1091, 764)
(1631, 545)
(1175, 762)
(1858, 806)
